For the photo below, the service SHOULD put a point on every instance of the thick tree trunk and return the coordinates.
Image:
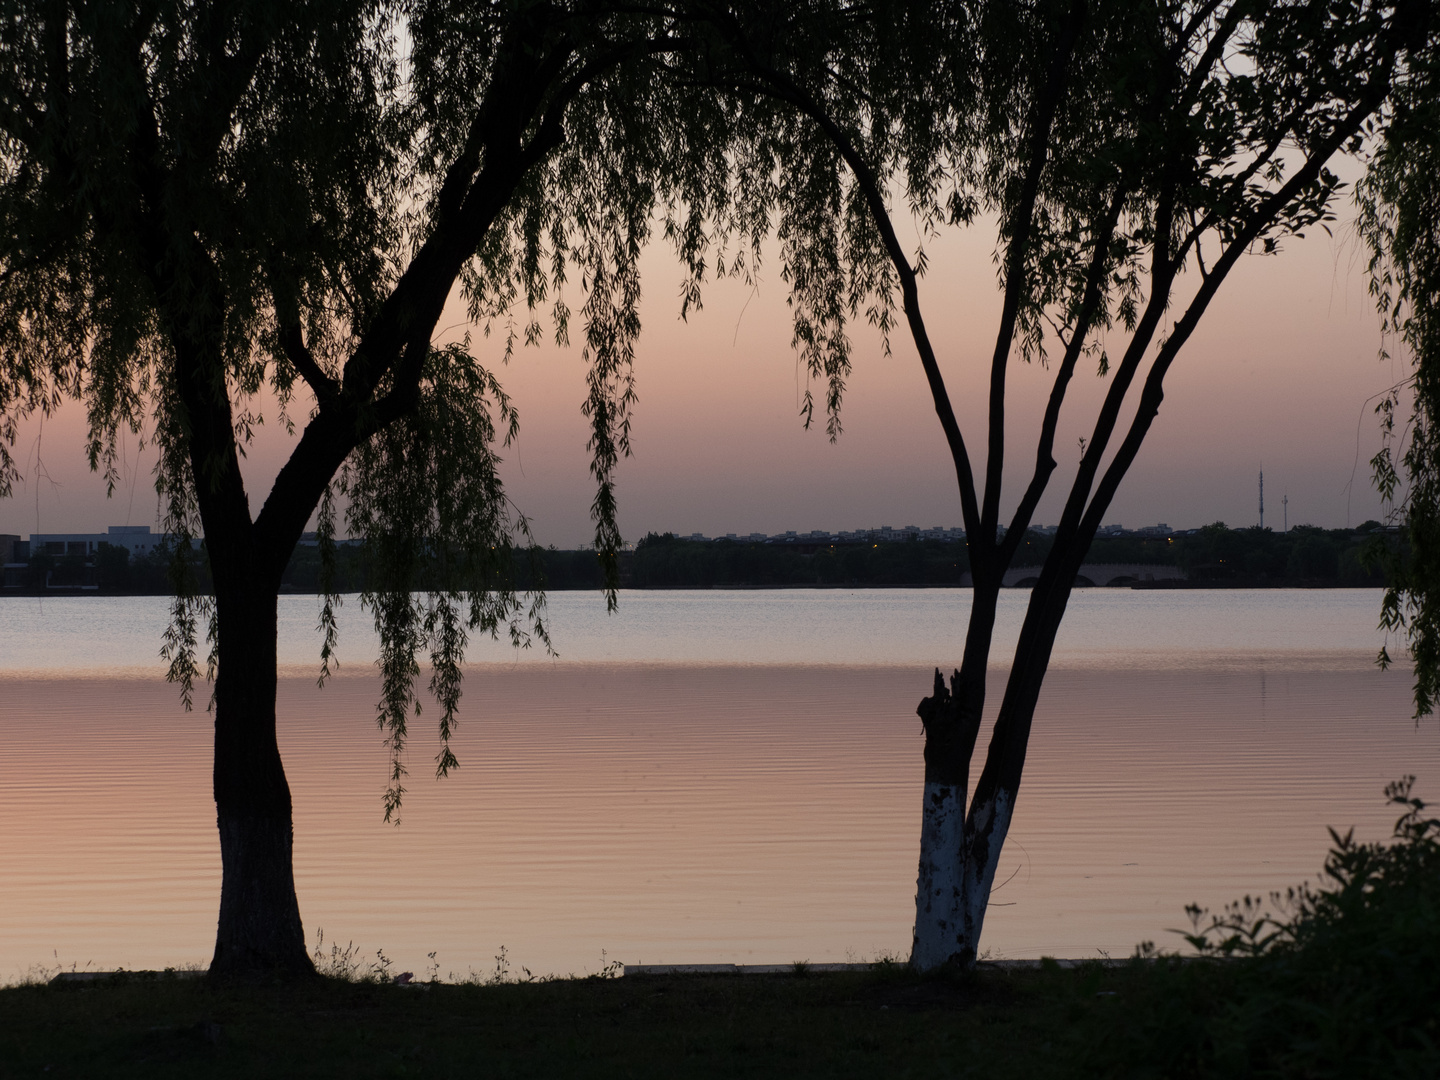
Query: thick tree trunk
(259, 930)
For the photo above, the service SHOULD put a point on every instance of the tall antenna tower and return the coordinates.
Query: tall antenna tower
(1285, 506)
(1262, 496)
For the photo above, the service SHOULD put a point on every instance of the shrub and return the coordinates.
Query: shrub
(1339, 979)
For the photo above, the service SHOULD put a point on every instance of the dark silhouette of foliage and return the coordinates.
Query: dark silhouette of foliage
(1399, 200)
(1335, 979)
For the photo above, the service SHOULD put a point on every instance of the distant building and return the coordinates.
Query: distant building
(138, 540)
(14, 556)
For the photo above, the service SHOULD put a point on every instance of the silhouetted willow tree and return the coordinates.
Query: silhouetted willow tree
(1133, 152)
(205, 202)
(1400, 220)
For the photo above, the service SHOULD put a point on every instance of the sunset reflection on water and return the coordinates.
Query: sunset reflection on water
(690, 812)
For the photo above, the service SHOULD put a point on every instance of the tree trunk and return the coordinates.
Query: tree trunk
(972, 857)
(938, 908)
(259, 930)
(960, 850)
(952, 721)
(986, 827)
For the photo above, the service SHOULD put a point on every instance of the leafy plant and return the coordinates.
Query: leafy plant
(609, 969)
(1334, 979)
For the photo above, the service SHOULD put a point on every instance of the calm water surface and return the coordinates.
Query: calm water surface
(909, 627)
(708, 776)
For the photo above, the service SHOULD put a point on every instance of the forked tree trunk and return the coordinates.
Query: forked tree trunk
(259, 930)
(959, 848)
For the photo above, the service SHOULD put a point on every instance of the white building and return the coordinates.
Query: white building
(138, 540)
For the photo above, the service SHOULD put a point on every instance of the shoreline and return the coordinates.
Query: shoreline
(1135, 586)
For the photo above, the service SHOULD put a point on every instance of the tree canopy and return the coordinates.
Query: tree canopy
(207, 204)
(1399, 201)
(1132, 154)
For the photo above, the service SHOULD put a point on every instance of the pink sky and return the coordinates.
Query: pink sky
(1279, 372)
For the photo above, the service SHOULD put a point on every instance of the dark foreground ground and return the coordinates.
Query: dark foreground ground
(881, 1023)
(1146, 1019)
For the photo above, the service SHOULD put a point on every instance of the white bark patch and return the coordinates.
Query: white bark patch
(939, 907)
(998, 812)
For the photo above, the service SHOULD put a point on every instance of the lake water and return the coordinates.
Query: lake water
(706, 776)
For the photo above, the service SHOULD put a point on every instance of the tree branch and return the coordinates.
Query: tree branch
(397, 342)
(292, 341)
(180, 276)
(1213, 51)
(1197, 20)
(783, 88)
(1020, 224)
(1089, 308)
(1153, 392)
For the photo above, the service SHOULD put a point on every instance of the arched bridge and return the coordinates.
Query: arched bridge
(1095, 574)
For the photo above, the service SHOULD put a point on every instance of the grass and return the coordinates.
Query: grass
(1340, 979)
(886, 1022)
(1147, 1018)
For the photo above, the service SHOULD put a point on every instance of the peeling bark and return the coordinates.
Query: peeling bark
(939, 908)
(987, 827)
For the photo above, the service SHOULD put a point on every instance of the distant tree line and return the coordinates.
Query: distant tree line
(662, 561)
(1304, 554)
(1215, 555)
(1219, 555)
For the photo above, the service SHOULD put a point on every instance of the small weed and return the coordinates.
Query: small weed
(380, 967)
(609, 969)
(888, 961)
(343, 964)
(501, 974)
